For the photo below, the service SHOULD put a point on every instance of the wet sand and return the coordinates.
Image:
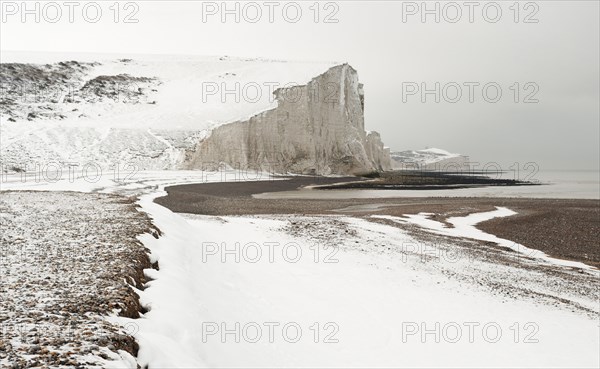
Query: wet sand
(563, 228)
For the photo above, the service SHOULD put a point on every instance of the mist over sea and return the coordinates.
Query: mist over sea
(570, 183)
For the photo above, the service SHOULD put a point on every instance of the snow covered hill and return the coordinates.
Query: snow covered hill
(431, 158)
(152, 111)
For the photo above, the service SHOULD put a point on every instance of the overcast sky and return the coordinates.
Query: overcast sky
(551, 52)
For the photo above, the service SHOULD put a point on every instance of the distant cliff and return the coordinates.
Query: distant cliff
(317, 128)
(429, 159)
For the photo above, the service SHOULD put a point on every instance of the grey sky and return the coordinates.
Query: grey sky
(559, 54)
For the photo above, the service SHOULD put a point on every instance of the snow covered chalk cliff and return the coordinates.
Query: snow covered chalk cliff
(167, 112)
(430, 159)
(317, 128)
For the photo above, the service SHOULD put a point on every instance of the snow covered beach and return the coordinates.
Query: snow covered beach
(348, 291)
(214, 269)
(69, 261)
(388, 301)
(572, 221)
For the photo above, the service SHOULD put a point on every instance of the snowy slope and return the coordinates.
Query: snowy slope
(183, 98)
(161, 108)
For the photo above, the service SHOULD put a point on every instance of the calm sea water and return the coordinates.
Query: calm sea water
(561, 184)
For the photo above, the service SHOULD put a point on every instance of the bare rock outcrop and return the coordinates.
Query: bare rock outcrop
(316, 128)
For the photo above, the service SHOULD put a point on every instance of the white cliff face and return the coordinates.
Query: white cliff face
(379, 154)
(156, 112)
(317, 128)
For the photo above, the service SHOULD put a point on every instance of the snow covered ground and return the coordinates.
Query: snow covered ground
(466, 227)
(350, 293)
(67, 261)
(315, 291)
(195, 92)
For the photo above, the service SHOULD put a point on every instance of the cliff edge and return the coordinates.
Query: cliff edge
(317, 128)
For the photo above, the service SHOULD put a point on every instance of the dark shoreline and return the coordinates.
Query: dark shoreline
(427, 180)
(564, 228)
